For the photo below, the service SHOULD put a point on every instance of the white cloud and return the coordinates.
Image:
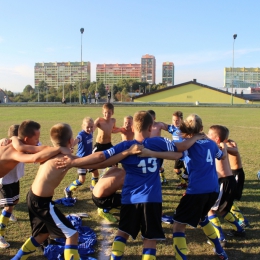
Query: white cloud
(1, 39)
(16, 78)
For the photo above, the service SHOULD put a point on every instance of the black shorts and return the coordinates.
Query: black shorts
(9, 194)
(240, 179)
(226, 192)
(46, 218)
(142, 216)
(101, 147)
(193, 208)
(112, 201)
(179, 164)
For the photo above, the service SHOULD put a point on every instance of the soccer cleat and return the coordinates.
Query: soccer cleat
(107, 216)
(222, 255)
(3, 243)
(167, 219)
(222, 242)
(13, 218)
(114, 210)
(182, 186)
(244, 223)
(234, 233)
(68, 194)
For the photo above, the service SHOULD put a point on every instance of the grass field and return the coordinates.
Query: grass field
(244, 127)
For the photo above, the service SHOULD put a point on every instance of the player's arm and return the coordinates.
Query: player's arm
(232, 147)
(223, 148)
(163, 155)
(164, 126)
(41, 156)
(116, 130)
(98, 160)
(185, 145)
(96, 124)
(76, 141)
(25, 148)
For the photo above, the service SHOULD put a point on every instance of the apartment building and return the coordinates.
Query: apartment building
(168, 73)
(148, 69)
(56, 74)
(241, 77)
(110, 74)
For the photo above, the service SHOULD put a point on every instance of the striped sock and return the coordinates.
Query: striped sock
(211, 234)
(27, 249)
(4, 219)
(71, 252)
(237, 213)
(180, 246)
(118, 248)
(74, 185)
(217, 226)
(149, 254)
(94, 181)
(229, 217)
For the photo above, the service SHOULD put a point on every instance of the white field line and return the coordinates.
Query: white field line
(106, 243)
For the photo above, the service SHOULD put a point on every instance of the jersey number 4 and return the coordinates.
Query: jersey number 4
(209, 157)
(152, 162)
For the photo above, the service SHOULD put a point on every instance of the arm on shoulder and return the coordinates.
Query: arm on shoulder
(24, 148)
(232, 147)
(36, 157)
(223, 147)
(164, 126)
(185, 145)
(116, 130)
(163, 155)
(98, 160)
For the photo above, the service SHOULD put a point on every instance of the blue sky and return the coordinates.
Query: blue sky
(196, 35)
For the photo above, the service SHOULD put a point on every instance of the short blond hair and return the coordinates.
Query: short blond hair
(61, 134)
(87, 119)
(191, 125)
(128, 117)
(142, 121)
(13, 131)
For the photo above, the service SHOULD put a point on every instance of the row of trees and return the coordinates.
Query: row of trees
(122, 91)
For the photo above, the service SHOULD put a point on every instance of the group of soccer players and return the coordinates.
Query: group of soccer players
(211, 184)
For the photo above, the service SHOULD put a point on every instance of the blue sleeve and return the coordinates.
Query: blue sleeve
(116, 149)
(79, 136)
(162, 144)
(219, 153)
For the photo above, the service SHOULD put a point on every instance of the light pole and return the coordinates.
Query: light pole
(63, 90)
(46, 93)
(80, 86)
(234, 37)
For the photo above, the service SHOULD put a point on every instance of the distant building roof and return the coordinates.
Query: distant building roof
(250, 97)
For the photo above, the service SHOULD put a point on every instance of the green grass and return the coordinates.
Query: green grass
(244, 127)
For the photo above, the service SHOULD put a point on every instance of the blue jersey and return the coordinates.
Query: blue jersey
(142, 181)
(85, 144)
(176, 133)
(201, 167)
